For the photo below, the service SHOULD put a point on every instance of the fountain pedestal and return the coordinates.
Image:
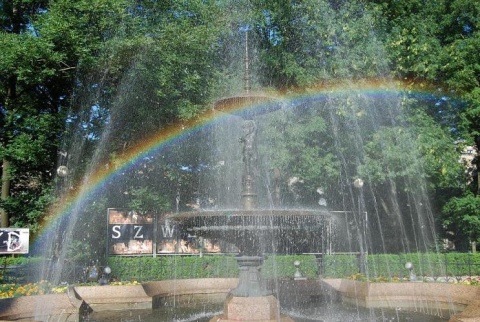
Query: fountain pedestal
(250, 282)
(256, 308)
(250, 300)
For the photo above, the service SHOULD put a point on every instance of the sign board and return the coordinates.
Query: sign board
(172, 240)
(14, 240)
(134, 233)
(130, 232)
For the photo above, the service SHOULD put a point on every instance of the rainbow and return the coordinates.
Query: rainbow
(176, 132)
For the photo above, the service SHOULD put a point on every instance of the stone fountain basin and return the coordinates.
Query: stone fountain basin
(462, 301)
(262, 230)
(430, 298)
(68, 306)
(292, 219)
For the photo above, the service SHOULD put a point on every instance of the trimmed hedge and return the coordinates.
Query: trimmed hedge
(172, 267)
(338, 266)
(179, 267)
(281, 266)
(425, 264)
(163, 267)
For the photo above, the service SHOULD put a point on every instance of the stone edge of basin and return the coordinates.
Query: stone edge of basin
(66, 307)
(463, 301)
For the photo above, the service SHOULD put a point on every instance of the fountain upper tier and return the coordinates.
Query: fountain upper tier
(262, 105)
(256, 231)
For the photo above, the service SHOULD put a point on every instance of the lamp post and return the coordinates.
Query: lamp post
(104, 279)
(298, 274)
(411, 275)
(358, 184)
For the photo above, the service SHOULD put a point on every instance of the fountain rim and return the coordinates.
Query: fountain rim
(226, 104)
(256, 213)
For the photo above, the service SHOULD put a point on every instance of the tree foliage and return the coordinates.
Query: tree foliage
(76, 74)
(463, 218)
(29, 113)
(307, 42)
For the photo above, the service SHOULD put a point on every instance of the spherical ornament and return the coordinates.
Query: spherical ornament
(62, 171)
(358, 183)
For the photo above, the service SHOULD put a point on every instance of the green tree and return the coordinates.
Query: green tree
(462, 218)
(460, 71)
(435, 45)
(145, 200)
(305, 43)
(298, 144)
(28, 112)
(47, 45)
(412, 38)
(417, 161)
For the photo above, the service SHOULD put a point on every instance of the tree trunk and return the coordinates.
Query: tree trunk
(477, 163)
(16, 18)
(4, 222)
(477, 166)
(11, 96)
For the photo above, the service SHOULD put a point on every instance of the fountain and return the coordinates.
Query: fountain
(250, 228)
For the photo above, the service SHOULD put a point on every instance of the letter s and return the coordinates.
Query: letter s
(116, 232)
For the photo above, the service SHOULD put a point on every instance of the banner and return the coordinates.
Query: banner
(130, 232)
(134, 233)
(172, 240)
(14, 240)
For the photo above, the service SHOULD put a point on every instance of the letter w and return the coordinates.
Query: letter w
(168, 230)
